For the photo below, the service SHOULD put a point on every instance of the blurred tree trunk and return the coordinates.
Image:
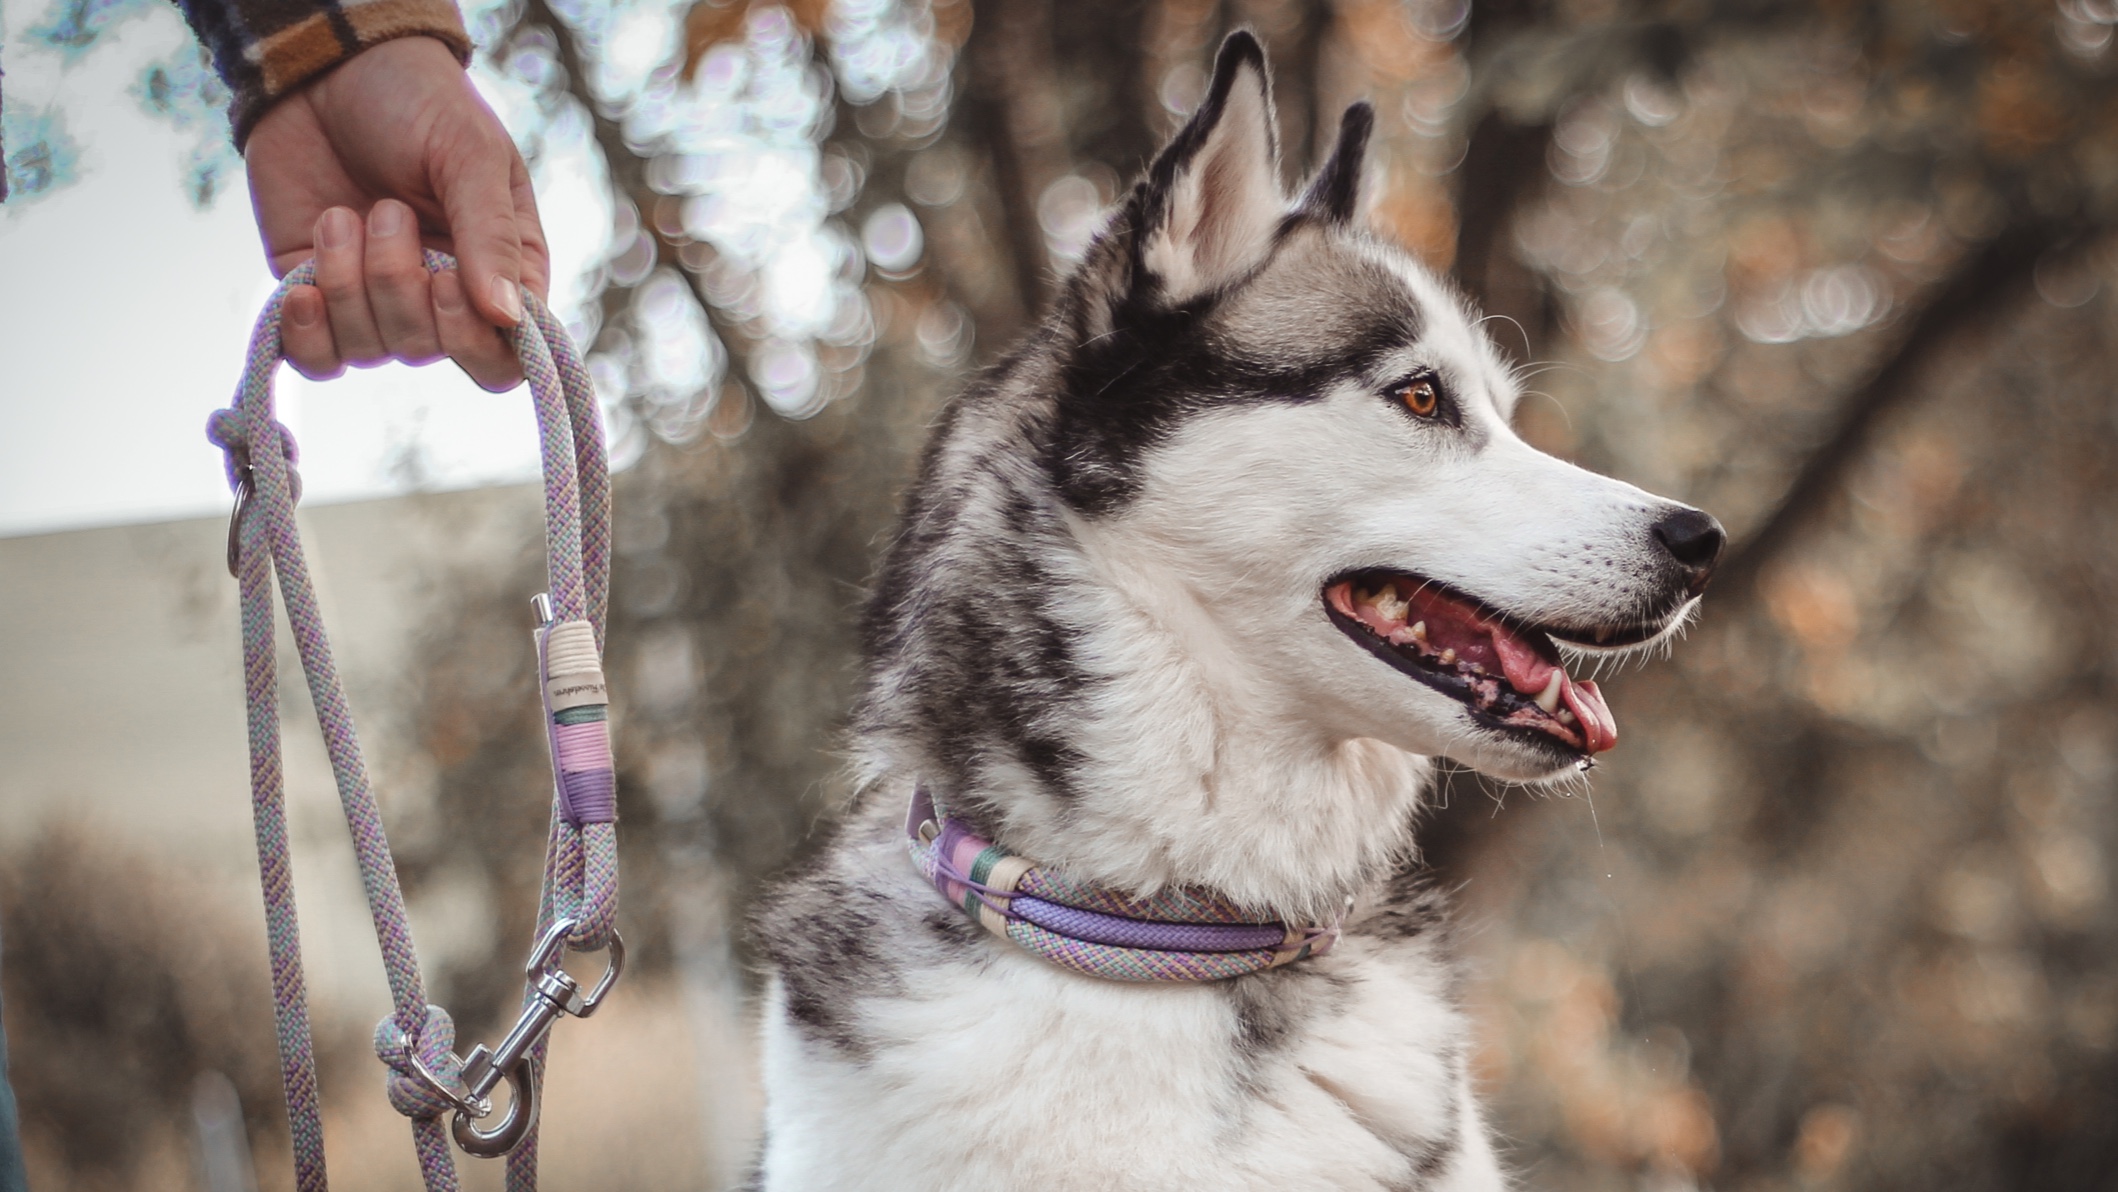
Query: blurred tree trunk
(1502, 172)
(1015, 117)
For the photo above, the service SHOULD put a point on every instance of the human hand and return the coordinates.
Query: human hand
(398, 135)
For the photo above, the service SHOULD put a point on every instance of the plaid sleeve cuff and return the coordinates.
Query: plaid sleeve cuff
(264, 49)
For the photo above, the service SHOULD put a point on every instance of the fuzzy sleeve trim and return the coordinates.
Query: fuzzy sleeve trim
(266, 49)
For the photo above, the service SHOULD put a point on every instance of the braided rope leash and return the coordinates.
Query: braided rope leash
(577, 909)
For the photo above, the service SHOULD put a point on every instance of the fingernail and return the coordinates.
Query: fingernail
(448, 292)
(508, 298)
(338, 228)
(303, 313)
(385, 219)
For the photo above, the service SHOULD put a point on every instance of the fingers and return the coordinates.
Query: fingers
(458, 331)
(340, 274)
(305, 335)
(374, 290)
(374, 301)
(475, 186)
(397, 285)
(469, 340)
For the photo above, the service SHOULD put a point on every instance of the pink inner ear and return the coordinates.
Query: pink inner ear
(1233, 194)
(1219, 197)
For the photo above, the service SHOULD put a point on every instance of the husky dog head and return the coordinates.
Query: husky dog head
(1193, 582)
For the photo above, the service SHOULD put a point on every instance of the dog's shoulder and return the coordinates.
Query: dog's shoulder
(847, 922)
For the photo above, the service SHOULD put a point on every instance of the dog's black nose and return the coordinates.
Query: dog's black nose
(1694, 539)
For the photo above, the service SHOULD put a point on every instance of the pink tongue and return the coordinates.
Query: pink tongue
(1599, 729)
(1528, 673)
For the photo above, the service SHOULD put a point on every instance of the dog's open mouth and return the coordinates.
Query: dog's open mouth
(1508, 674)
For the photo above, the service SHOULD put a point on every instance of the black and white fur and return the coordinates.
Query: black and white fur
(1099, 638)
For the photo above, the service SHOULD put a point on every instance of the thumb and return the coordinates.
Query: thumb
(473, 187)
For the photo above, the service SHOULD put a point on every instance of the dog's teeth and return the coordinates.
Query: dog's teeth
(1419, 631)
(1603, 635)
(1387, 603)
(1548, 699)
(1566, 716)
(1448, 658)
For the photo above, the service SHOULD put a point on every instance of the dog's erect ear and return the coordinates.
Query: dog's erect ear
(1334, 195)
(1213, 199)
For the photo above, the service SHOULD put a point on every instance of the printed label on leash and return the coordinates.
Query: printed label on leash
(574, 672)
(577, 690)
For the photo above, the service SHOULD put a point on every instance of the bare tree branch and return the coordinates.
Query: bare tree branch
(1988, 279)
(628, 176)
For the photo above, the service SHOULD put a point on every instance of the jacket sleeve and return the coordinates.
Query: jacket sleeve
(264, 49)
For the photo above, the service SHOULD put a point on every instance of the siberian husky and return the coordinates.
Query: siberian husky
(1188, 592)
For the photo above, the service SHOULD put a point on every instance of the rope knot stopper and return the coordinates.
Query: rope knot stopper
(412, 1092)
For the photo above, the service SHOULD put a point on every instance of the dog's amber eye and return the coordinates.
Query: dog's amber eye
(1420, 397)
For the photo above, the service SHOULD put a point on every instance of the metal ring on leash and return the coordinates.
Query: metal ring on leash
(235, 523)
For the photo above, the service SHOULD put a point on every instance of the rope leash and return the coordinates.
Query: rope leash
(577, 907)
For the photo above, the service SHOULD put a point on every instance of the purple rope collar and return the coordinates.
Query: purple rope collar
(1179, 935)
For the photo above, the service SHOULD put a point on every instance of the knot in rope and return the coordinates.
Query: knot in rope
(410, 1092)
(227, 430)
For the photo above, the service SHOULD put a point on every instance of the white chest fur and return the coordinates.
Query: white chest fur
(1007, 1072)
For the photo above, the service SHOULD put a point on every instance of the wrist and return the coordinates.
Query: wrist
(404, 61)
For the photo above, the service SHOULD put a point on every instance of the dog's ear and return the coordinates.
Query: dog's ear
(1334, 195)
(1212, 200)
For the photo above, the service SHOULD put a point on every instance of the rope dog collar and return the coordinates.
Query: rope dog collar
(1177, 935)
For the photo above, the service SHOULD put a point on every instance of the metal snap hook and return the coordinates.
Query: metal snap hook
(521, 1115)
(553, 994)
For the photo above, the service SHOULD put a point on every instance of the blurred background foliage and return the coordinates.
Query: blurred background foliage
(1840, 913)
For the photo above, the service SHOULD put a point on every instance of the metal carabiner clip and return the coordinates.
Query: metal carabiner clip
(554, 994)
